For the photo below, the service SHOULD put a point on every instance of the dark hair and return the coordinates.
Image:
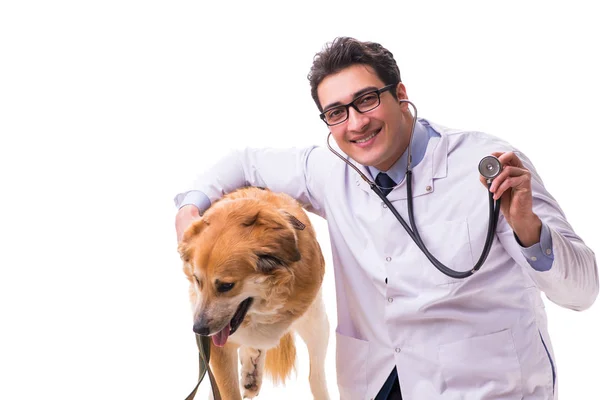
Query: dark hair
(344, 52)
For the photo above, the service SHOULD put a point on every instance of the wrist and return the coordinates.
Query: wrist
(528, 230)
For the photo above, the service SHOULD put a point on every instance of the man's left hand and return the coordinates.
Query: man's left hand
(513, 187)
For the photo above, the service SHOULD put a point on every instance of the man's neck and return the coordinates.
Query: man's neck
(418, 145)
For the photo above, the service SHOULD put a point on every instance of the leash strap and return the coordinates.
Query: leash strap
(203, 343)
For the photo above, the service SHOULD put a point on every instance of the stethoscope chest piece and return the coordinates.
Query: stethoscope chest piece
(490, 167)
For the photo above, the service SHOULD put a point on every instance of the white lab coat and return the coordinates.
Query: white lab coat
(481, 338)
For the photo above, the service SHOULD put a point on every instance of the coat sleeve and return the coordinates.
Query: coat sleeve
(298, 172)
(572, 280)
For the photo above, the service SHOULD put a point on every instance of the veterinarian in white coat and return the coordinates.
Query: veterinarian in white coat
(481, 338)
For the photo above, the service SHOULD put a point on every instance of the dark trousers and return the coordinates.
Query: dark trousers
(391, 388)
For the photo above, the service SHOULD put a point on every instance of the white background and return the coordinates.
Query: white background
(109, 108)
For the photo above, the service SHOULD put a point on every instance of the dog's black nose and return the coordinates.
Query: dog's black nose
(201, 330)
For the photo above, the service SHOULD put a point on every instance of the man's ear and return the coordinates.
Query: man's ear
(401, 95)
(401, 91)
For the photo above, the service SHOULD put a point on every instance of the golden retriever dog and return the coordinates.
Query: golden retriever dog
(255, 270)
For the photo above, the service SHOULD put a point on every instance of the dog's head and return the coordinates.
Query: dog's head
(238, 253)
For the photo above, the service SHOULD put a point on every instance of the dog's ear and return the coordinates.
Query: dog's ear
(267, 263)
(279, 243)
(184, 247)
(296, 223)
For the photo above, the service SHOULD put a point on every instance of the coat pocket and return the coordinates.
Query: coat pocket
(482, 367)
(351, 360)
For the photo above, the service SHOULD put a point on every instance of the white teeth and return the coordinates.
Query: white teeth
(367, 138)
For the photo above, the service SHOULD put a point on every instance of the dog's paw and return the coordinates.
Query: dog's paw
(251, 375)
(251, 386)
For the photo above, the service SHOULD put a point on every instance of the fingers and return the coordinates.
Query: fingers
(508, 158)
(513, 174)
(516, 182)
(185, 216)
(483, 181)
(507, 172)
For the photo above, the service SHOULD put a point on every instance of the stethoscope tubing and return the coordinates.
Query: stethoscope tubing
(494, 212)
(413, 232)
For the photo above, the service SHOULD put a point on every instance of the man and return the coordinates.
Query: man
(405, 328)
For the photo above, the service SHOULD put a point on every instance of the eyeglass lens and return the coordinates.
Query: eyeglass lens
(364, 103)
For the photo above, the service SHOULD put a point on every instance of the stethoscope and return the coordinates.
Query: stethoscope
(489, 167)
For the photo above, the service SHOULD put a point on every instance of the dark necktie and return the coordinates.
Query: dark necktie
(391, 388)
(385, 183)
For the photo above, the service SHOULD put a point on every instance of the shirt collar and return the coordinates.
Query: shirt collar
(420, 139)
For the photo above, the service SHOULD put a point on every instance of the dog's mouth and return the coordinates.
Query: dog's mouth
(220, 338)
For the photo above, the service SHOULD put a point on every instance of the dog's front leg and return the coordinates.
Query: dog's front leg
(224, 364)
(253, 363)
(313, 328)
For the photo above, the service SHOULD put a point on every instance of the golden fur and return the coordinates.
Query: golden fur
(259, 245)
(280, 360)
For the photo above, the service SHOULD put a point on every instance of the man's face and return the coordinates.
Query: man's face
(374, 138)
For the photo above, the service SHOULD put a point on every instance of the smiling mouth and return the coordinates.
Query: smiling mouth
(364, 140)
(220, 338)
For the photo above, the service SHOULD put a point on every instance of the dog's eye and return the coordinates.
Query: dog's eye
(224, 287)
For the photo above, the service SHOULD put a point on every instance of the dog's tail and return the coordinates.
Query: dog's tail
(280, 360)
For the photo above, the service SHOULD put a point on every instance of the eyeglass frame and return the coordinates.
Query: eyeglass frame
(351, 104)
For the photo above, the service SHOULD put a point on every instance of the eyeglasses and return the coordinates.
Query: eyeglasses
(362, 104)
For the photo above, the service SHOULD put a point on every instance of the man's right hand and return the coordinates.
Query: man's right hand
(185, 216)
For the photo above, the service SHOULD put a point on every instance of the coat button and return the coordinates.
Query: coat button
(390, 299)
(388, 259)
(397, 349)
(428, 188)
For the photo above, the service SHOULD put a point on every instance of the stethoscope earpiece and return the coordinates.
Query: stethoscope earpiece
(490, 167)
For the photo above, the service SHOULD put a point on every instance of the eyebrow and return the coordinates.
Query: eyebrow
(355, 95)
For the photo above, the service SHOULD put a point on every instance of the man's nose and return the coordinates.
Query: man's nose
(356, 120)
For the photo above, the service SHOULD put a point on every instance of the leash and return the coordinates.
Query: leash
(203, 343)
